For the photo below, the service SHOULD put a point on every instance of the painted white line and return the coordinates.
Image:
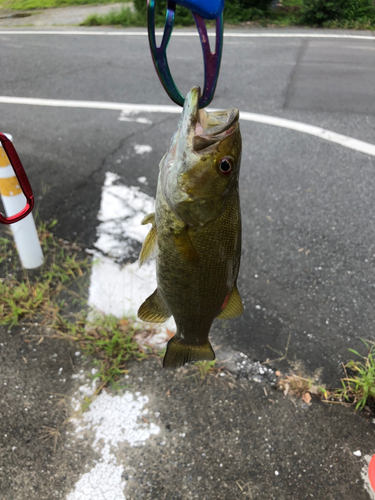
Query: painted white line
(327, 135)
(116, 106)
(227, 34)
(322, 133)
(120, 289)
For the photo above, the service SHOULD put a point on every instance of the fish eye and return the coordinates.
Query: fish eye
(225, 166)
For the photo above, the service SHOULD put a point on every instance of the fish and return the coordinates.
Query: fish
(196, 231)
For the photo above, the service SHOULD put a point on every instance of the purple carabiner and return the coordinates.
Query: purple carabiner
(22, 179)
(211, 60)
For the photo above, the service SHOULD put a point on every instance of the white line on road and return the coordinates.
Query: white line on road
(189, 33)
(327, 135)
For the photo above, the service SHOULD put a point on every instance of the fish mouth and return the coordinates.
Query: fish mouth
(203, 129)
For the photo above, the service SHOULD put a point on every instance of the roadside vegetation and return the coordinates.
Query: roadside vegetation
(355, 14)
(358, 384)
(350, 14)
(47, 4)
(52, 302)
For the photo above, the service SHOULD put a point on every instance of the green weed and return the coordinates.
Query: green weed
(110, 340)
(359, 388)
(46, 4)
(206, 367)
(125, 17)
(25, 294)
(358, 385)
(46, 293)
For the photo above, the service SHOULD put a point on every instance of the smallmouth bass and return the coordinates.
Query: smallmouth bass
(196, 231)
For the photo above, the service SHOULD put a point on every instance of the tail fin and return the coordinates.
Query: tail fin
(179, 352)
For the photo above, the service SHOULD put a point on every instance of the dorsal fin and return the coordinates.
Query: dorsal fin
(149, 246)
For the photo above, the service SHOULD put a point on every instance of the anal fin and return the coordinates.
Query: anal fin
(234, 306)
(153, 309)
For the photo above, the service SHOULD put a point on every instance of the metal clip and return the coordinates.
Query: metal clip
(208, 9)
(22, 179)
(212, 60)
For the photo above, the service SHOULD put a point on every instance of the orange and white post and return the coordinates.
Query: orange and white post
(24, 231)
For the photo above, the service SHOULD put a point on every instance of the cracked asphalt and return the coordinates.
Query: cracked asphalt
(307, 270)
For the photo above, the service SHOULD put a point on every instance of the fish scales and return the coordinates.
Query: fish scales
(197, 231)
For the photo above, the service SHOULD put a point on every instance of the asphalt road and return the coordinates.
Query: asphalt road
(308, 206)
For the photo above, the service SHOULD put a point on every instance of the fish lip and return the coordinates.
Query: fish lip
(209, 125)
(191, 109)
(213, 124)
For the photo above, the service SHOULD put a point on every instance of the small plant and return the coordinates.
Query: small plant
(300, 386)
(45, 293)
(359, 389)
(358, 386)
(109, 339)
(323, 12)
(45, 4)
(206, 367)
(51, 433)
(126, 17)
(26, 294)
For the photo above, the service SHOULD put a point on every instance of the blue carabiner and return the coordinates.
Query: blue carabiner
(208, 9)
(212, 60)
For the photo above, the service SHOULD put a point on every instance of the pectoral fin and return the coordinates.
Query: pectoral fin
(149, 246)
(153, 309)
(184, 244)
(233, 307)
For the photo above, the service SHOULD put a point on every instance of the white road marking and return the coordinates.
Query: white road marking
(327, 135)
(141, 149)
(189, 34)
(120, 289)
(322, 133)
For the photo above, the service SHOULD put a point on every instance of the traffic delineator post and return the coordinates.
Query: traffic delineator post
(24, 231)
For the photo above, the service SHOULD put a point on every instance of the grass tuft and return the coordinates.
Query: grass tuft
(25, 294)
(206, 368)
(46, 295)
(110, 340)
(128, 17)
(47, 4)
(125, 17)
(358, 387)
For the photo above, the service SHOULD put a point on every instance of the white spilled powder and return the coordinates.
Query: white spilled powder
(141, 149)
(103, 482)
(112, 421)
(116, 419)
